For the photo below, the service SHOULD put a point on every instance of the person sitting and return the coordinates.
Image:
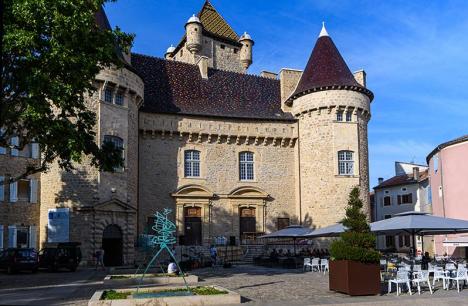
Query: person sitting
(425, 260)
(274, 254)
(172, 268)
(280, 253)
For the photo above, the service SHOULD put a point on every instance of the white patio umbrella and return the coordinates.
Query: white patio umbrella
(418, 223)
(333, 230)
(292, 231)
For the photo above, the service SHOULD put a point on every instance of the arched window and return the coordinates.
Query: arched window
(118, 143)
(192, 163)
(246, 166)
(345, 163)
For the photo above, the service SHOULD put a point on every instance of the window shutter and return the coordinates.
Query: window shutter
(12, 236)
(1, 237)
(399, 199)
(13, 192)
(35, 150)
(33, 191)
(32, 236)
(2, 188)
(14, 142)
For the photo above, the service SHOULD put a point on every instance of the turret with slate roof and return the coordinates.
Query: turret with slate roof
(333, 109)
(208, 35)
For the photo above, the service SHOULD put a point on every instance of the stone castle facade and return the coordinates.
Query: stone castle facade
(233, 154)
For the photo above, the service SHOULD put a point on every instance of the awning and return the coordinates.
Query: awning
(292, 231)
(328, 231)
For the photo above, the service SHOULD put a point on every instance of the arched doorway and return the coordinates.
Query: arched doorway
(112, 243)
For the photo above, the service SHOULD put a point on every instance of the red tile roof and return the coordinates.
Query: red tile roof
(403, 179)
(178, 88)
(326, 69)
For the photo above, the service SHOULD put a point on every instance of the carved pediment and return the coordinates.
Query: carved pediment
(248, 192)
(115, 205)
(193, 191)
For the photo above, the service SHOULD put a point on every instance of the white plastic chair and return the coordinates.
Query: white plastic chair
(439, 274)
(450, 266)
(430, 268)
(315, 264)
(422, 276)
(460, 276)
(324, 265)
(417, 268)
(307, 264)
(401, 278)
(383, 263)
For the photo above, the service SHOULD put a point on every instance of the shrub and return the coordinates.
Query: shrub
(357, 243)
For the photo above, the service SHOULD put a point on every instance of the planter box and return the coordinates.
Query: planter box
(148, 279)
(354, 278)
(230, 297)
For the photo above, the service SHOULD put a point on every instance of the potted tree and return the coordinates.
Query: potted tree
(354, 264)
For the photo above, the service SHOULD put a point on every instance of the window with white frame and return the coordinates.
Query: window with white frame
(22, 236)
(339, 116)
(119, 98)
(108, 93)
(349, 116)
(24, 191)
(192, 163)
(246, 166)
(345, 163)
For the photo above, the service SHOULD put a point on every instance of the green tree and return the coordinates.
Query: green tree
(357, 242)
(51, 52)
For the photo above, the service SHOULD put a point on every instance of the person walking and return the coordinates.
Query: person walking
(213, 254)
(99, 259)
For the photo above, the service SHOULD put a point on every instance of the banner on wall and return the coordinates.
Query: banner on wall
(58, 225)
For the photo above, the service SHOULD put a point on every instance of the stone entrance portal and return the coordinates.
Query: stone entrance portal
(112, 244)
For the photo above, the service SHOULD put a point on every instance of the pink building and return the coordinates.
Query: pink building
(448, 172)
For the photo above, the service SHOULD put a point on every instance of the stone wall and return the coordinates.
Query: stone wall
(20, 213)
(221, 55)
(163, 140)
(324, 193)
(88, 192)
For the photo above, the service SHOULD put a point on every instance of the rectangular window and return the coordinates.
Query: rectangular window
(282, 223)
(349, 116)
(119, 98)
(246, 166)
(108, 93)
(117, 142)
(339, 116)
(192, 163)
(22, 237)
(405, 199)
(24, 191)
(345, 163)
(387, 201)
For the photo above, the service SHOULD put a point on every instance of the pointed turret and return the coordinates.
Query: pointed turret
(326, 69)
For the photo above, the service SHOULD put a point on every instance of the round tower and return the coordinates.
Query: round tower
(169, 51)
(333, 111)
(246, 50)
(193, 29)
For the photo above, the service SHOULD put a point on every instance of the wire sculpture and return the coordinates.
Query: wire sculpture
(164, 239)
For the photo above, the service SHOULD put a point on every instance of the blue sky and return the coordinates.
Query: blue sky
(415, 54)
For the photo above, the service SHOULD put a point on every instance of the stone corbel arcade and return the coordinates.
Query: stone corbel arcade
(198, 201)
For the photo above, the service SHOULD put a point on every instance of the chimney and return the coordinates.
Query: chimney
(380, 180)
(288, 82)
(360, 77)
(416, 173)
(268, 74)
(203, 66)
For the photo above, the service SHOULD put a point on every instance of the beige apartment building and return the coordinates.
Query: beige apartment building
(232, 154)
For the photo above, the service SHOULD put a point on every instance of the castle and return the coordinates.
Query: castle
(233, 154)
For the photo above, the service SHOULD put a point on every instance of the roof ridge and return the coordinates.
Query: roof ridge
(216, 69)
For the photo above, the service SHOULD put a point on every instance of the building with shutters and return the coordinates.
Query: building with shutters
(234, 155)
(19, 199)
(408, 190)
